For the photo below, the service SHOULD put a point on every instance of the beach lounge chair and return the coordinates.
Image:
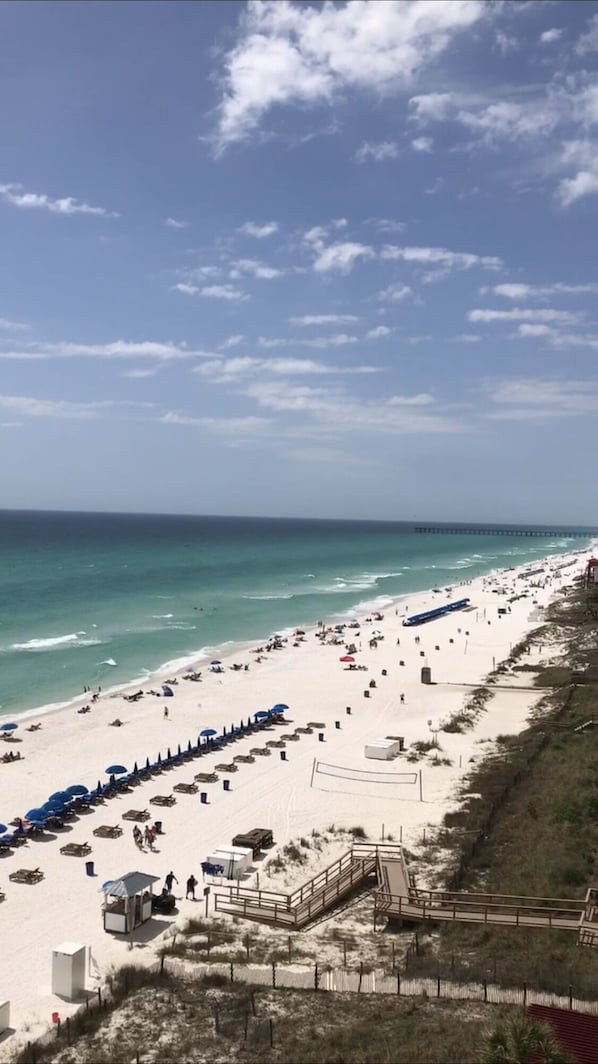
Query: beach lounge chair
(206, 777)
(304, 731)
(262, 751)
(108, 831)
(315, 724)
(76, 849)
(27, 875)
(136, 814)
(294, 738)
(227, 768)
(244, 759)
(2, 895)
(186, 788)
(163, 799)
(278, 743)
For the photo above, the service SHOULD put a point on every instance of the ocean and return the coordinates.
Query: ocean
(105, 599)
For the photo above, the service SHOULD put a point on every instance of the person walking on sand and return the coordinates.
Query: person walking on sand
(169, 880)
(149, 838)
(191, 885)
(165, 712)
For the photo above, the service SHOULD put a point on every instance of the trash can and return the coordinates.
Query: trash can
(348, 711)
(226, 785)
(426, 674)
(283, 755)
(158, 827)
(366, 693)
(321, 736)
(203, 797)
(337, 724)
(89, 868)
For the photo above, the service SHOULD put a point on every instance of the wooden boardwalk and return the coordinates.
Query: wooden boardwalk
(397, 897)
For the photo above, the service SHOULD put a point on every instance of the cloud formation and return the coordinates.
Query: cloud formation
(40, 201)
(288, 53)
(257, 230)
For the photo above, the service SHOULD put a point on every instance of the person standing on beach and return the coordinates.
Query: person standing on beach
(169, 880)
(191, 885)
(165, 712)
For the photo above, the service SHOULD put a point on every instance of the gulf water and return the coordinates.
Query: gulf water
(104, 599)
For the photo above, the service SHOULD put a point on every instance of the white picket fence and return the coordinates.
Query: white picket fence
(345, 980)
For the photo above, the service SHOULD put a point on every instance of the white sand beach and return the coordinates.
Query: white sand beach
(70, 748)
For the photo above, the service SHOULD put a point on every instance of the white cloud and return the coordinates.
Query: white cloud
(588, 42)
(422, 144)
(186, 289)
(231, 341)
(467, 338)
(13, 326)
(339, 223)
(524, 314)
(431, 107)
(162, 352)
(324, 319)
(224, 371)
(342, 256)
(139, 374)
(378, 151)
(226, 425)
(537, 291)
(504, 43)
(254, 268)
(395, 293)
(536, 398)
(511, 121)
(334, 340)
(387, 225)
(585, 183)
(223, 291)
(64, 409)
(257, 230)
(559, 339)
(549, 36)
(293, 54)
(452, 260)
(40, 201)
(378, 333)
(174, 223)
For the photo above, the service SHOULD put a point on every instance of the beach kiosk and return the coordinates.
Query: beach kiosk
(128, 902)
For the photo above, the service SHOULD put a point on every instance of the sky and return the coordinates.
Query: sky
(298, 259)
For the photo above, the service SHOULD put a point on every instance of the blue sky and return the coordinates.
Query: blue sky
(324, 260)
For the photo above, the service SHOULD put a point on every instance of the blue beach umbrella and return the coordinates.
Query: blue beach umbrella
(3, 828)
(59, 796)
(34, 814)
(53, 805)
(279, 707)
(76, 790)
(116, 770)
(207, 732)
(261, 713)
(8, 727)
(215, 662)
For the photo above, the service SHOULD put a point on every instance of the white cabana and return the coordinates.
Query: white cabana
(128, 902)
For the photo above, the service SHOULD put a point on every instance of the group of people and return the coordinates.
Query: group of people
(146, 837)
(11, 756)
(171, 878)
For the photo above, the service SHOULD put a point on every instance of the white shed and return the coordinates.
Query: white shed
(382, 749)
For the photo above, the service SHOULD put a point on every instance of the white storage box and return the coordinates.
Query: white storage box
(68, 970)
(382, 749)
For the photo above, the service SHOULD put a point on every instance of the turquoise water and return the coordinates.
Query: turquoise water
(88, 599)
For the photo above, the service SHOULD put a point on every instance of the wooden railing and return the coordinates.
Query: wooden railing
(518, 912)
(311, 899)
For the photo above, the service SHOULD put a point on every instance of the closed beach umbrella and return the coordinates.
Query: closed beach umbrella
(8, 727)
(168, 754)
(135, 769)
(179, 751)
(207, 732)
(115, 770)
(76, 789)
(189, 747)
(147, 762)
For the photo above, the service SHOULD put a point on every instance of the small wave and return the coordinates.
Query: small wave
(181, 627)
(265, 598)
(108, 661)
(161, 616)
(74, 639)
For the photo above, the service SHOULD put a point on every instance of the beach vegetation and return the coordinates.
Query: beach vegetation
(358, 832)
(519, 1040)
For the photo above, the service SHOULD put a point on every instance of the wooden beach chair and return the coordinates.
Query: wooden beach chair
(76, 849)
(278, 743)
(315, 724)
(228, 768)
(262, 751)
(186, 788)
(136, 814)
(206, 777)
(304, 731)
(163, 799)
(244, 759)
(291, 738)
(27, 875)
(108, 831)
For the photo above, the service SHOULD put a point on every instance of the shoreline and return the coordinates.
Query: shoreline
(200, 657)
(282, 794)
